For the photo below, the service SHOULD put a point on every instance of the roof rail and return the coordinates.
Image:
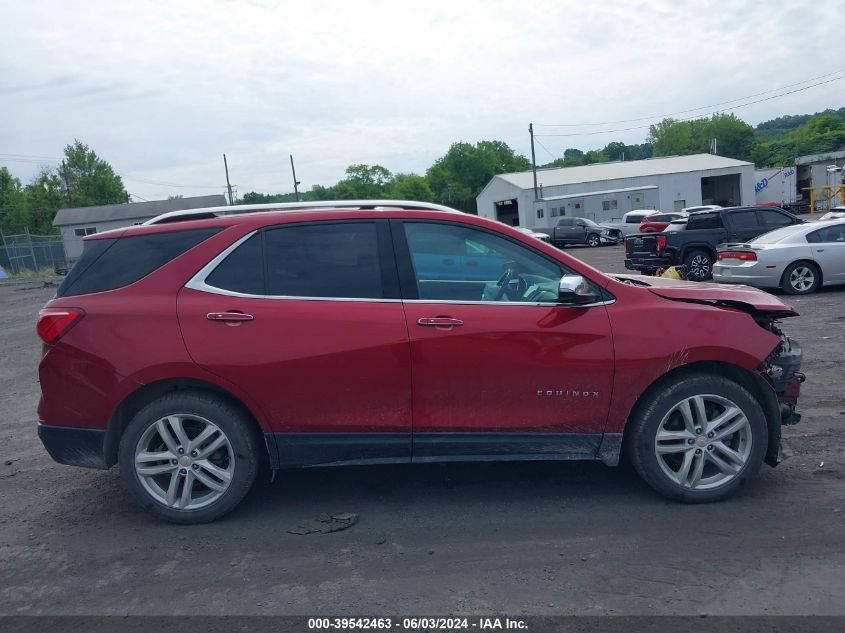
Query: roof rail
(211, 212)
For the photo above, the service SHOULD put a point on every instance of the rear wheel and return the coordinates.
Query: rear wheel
(593, 240)
(189, 457)
(698, 438)
(800, 278)
(698, 265)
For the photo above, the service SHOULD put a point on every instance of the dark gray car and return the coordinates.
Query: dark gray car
(579, 231)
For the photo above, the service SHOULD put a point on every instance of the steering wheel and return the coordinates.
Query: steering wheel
(507, 277)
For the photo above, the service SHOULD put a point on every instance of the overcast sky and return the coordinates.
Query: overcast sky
(162, 89)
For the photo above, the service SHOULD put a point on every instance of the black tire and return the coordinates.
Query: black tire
(698, 265)
(593, 240)
(649, 415)
(242, 451)
(801, 278)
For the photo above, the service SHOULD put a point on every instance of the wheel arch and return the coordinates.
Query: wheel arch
(804, 260)
(762, 391)
(147, 393)
(697, 246)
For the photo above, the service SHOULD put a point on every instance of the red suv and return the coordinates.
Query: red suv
(194, 348)
(657, 222)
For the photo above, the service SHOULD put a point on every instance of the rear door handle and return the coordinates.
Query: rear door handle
(439, 322)
(230, 317)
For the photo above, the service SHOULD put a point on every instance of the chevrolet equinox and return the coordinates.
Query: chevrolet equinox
(194, 348)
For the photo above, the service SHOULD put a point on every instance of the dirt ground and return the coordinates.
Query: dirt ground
(531, 538)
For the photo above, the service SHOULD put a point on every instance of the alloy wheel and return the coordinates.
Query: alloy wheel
(802, 278)
(184, 461)
(699, 267)
(703, 442)
(593, 240)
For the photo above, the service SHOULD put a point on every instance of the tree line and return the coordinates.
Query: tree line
(458, 177)
(82, 179)
(455, 179)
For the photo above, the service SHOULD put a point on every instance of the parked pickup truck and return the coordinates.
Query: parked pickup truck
(693, 243)
(579, 231)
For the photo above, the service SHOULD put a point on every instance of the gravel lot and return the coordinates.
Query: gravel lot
(540, 539)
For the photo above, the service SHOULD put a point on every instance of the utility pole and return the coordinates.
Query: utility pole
(533, 159)
(67, 182)
(295, 181)
(228, 186)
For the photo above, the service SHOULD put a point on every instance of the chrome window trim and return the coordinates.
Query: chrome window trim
(197, 282)
(544, 304)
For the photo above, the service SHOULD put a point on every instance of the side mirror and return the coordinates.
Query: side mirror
(575, 290)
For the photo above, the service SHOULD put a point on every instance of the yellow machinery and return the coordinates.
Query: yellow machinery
(827, 193)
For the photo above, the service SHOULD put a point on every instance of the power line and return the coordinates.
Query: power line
(713, 105)
(640, 127)
(545, 148)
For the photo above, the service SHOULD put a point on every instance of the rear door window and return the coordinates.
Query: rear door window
(744, 219)
(108, 264)
(773, 219)
(705, 221)
(324, 260)
(337, 261)
(828, 234)
(243, 269)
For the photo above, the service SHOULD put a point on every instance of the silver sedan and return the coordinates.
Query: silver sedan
(798, 259)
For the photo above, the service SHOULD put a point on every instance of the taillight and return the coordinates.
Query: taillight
(745, 256)
(53, 323)
(661, 242)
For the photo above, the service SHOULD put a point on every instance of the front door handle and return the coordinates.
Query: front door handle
(440, 322)
(229, 317)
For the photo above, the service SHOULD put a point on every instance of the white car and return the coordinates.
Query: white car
(630, 223)
(836, 213)
(799, 259)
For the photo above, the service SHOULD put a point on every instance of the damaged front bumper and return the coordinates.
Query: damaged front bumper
(782, 373)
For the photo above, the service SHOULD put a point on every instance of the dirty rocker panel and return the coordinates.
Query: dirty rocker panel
(337, 449)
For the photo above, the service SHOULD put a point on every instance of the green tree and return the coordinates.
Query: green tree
(44, 197)
(735, 138)
(459, 176)
(14, 211)
(411, 187)
(90, 180)
(364, 181)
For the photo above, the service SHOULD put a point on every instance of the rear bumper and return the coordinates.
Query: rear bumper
(75, 447)
(745, 275)
(649, 264)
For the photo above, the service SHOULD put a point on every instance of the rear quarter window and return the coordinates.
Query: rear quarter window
(108, 264)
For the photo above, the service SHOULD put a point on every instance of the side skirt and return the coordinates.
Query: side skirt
(291, 450)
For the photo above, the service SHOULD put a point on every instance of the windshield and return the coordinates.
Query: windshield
(588, 222)
(776, 236)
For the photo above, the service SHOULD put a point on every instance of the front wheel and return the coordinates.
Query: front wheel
(189, 457)
(593, 240)
(698, 439)
(698, 266)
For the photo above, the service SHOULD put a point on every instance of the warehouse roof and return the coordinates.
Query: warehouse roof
(134, 210)
(819, 158)
(621, 169)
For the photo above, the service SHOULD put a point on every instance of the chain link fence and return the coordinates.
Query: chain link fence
(27, 252)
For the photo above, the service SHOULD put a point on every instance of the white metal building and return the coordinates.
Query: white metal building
(604, 191)
(75, 223)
